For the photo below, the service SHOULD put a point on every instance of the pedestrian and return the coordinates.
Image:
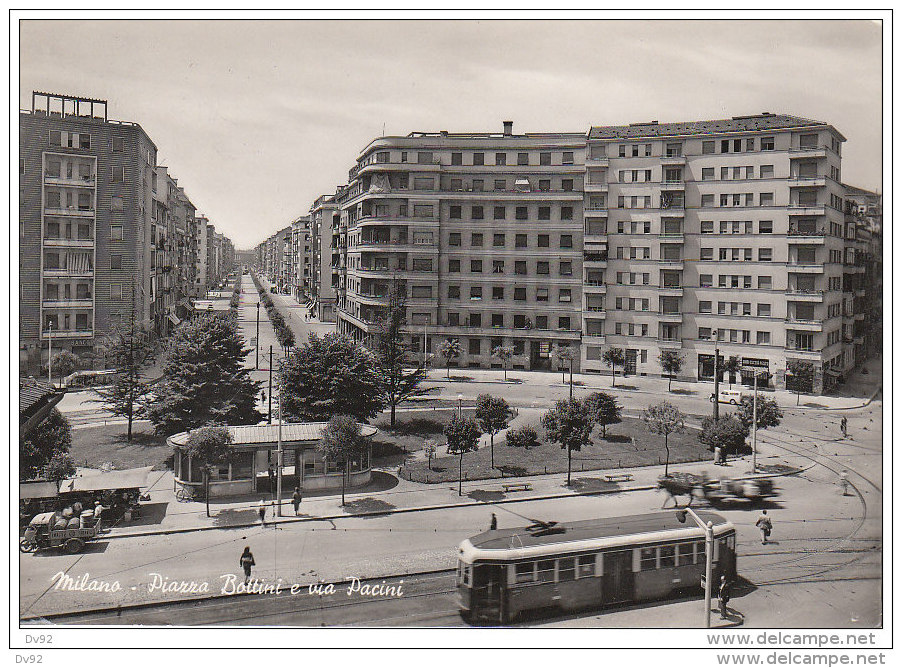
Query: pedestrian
(765, 525)
(263, 392)
(844, 427)
(261, 508)
(272, 478)
(844, 481)
(296, 500)
(724, 595)
(247, 561)
(717, 453)
(494, 523)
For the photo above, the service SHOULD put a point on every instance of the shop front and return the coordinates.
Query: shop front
(253, 468)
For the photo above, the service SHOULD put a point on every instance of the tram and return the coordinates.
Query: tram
(588, 563)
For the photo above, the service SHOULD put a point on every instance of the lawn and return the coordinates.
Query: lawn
(627, 445)
(396, 445)
(95, 446)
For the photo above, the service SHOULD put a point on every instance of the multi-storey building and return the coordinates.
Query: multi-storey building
(865, 208)
(106, 235)
(484, 231)
(722, 235)
(324, 256)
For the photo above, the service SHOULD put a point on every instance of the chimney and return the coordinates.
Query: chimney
(508, 128)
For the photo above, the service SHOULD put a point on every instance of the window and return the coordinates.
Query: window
(476, 293)
(708, 200)
(808, 141)
(423, 183)
(648, 559)
(705, 280)
(668, 556)
(585, 566)
(567, 158)
(704, 307)
(520, 241)
(763, 338)
(525, 572)
(566, 241)
(475, 347)
(501, 158)
(766, 172)
(544, 185)
(115, 291)
(424, 158)
(707, 147)
(566, 269)
(476, 266)
(476, 239)
(476, 213)
(767, 143)
(707, 173)
(500, 184)
(498, 240)
(521, 213)
(765, 254)
(766, 199)
(543, 241)
(685, 554)
(563, 322)
(542, 267)
(763, 310)
(457, 158)
(454, 239)
(674, 150)
(454, 266)
(453, 319)
(479, 158)
(497, 266)
(544, 158)
(564, 295)
(706, 254)
(422, 264)
(422, 210)
(523, 158)
(520, 294)
(499, 212)
(498, 292)
(421, 292)
(453, 292)
(115, 262)
(566, 213)
(765, 227)
(84, 141)
(567, 184)
(520, 267)
(455, 212)
(116, 232)
(765, 283)
(541, 294)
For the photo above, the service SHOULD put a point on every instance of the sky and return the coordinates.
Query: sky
(256, 119)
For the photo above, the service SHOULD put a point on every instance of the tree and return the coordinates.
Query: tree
(561, 356)
(525, 437)
(210, 446)
(390, 350)
(126, 350)
(204, 378)
(450, 351)
(614, 357)
(569, 424)
(60, 466)
(332, 375)
(429, 449)
(731, 367)
(726, 433)
(504, 353)
(671, 364)
(493, 414)
(341, 442)
(664, 419)
(463, 435)
(51, 436)
(604, 410)
(801, 377)
(63, 363)
(769, 413)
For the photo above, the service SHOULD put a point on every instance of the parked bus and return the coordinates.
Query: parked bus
(587, 564)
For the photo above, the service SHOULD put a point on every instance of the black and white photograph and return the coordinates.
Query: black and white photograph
(479, 330)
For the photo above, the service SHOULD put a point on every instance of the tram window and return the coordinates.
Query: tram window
(700, 551)
(686, 554)
(648, 559)
(566, 569)
(667, 556)
(586, 566)
(546, 571)
(525, 572)
(731, 542)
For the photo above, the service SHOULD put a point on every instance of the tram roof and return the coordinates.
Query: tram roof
(585, 531)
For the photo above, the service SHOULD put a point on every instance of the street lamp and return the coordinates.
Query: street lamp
(460, 399)
(257, 346)
(755, 425)
(709, 555)
(49, 351)
(716, 377)
(279, 449)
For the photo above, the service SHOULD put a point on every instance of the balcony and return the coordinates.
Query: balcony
(673, 159)
(671, 263)
(595, 257)
(670, 343)
(596, 212)
(88, 302)
(806, 209)
(796, 181)
(69, 211)
(671, 290)
(63, 273)
(804, 267)
(595, 287)
(675, 185)
(67, 334)
(797, 237)
(805, 295)
(799, 353)
(596, 311)
(674, 237)
(804, 325)
(69, 243)
(597, 161)
(596, 187)
(670, 316)
(74, 181)
(807, 152)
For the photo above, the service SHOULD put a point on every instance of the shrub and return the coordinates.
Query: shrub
(525, 437)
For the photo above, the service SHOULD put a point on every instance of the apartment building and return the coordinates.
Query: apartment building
(484, 231)
(724, 235)
(101, 231)
(324, 256)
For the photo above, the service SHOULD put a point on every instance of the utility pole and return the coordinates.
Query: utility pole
(755, 425)
(709, 556)
(716, 378)
(269, 412)
(571, 378)
(257, 346)
(279, 451)
(425, 325)
(50, 351)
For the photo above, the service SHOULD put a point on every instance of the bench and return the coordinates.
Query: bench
(618, 477)
(517, 487)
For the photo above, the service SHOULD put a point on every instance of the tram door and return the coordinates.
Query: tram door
(488, 582)
(618, 576)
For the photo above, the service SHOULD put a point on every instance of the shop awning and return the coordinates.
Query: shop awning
(128, 479)
(38, 490)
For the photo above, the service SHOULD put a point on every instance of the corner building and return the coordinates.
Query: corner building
(724, 234)
(484, 230)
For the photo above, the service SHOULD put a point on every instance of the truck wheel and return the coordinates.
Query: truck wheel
(27, 546)
(74, 545)
(733, 401)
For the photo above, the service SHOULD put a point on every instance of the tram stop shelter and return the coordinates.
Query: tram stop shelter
(253, 467)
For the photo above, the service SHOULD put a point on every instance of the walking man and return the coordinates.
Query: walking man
(717, 456)
(494, 523)
(844, 481)
(844, 427)
(261, 508)
(296, 500)
(724, 595)
(247, 561)
(765, 525)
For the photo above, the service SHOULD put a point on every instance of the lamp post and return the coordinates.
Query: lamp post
(257, 346)
(269, 410)
(460, 399)
(755, 425)
(716, 377)
(278, 448)
(709, 556)
(49, 351)
(571, 378)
